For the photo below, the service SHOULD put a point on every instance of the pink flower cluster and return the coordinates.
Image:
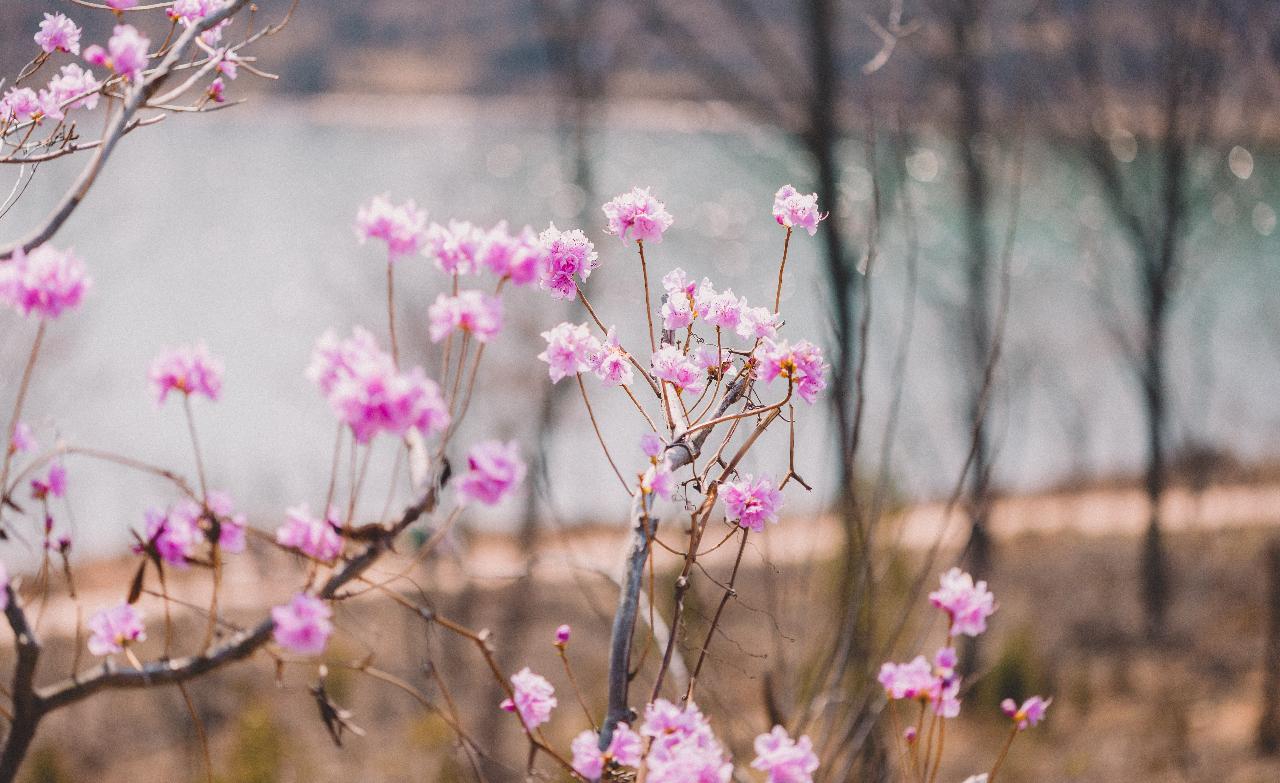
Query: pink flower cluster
(58, 34)
(967, 605)
(473, 312)
(401, 226)
(569, 257)
(570, 350)
(639, 214)
(532, 698)
(456, 248)
(683, 747)
(793, 209)
(316, 538)
(937, 686)
(688, 300)
(112, 629)
(45, 282)
(368, 393)
(303, 625)
(189, 369)
(1029, 714)
(53, 485)
(801, 364)
(626, 749)
(518, 258)
(670, 364)
(23, 439)
(494, 470)
(783, 759)
(126, 53)
(176, 534)
(752, 502)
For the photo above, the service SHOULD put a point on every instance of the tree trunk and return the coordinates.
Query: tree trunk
(1269, 726)
(1156, 586)
(967, 71)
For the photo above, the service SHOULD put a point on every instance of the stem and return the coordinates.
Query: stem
(715, 621)
(391, 313)
(17, 405)
(195, 445)
(991, 776)
(648, 307)
(568, 670)
(777, 297)
(582, 387)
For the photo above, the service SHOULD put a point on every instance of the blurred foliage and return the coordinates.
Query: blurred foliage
(1017, 673)
(46, 766)
(257, 755)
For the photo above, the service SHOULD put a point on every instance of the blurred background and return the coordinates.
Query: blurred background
(1049, 288)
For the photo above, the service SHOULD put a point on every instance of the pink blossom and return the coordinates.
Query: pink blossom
(907, 680)
(126, 52)
(517, 258)
(566, 254)
(686, 299)
(172, 537)
(53, 485)
(367, 393)
(944, 661)
(758, 323)
(968, 605)
(58, 34)
(671, 365)
(659, 481)
(228, 64)
(302, 626)
(316, 538)
(639, 214)
(402, 226)
(113, 628)
(784, 759)
(612, 366)
(456, 248)
(796, 210)
(800, 363)
(684, 749)
(231, 537)
(218, 90)
(570, 350)
(45, 281)
(752, 502)
(562, 635)
(724, 310)
(20, 104)
(73, 81)
(187, 369)
(473, 312)
(333, 359)
(121, 5)
(651, 444)
(4, 587)
(494, 470)
(533, 698)
(193, 10)
(625, 750)
(1029, 714)
(23, 440)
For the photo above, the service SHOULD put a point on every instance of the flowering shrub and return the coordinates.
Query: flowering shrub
(718, 374)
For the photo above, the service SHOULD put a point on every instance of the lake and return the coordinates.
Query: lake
(235, 228)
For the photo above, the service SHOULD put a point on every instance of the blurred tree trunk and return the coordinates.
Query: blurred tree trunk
(1154, 213)
(1269, 725)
